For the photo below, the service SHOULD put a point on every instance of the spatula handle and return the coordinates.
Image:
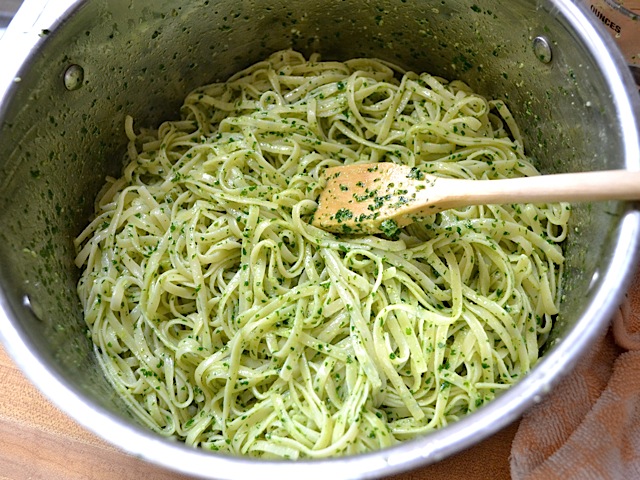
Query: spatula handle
(562, 187)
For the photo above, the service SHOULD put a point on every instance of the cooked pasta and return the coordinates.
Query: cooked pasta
(223, 318)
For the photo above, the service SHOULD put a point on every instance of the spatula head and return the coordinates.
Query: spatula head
(371, 198)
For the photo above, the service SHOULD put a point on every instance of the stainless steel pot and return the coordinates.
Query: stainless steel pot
(73, 69)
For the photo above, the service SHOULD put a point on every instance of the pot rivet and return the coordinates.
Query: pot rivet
(73, 77)
(37, 312)
(542, 49)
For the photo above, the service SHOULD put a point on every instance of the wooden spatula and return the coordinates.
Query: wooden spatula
(382, 197)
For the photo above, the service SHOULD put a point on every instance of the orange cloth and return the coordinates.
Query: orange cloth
(589, 425)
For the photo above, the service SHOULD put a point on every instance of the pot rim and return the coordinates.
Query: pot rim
(24, 37)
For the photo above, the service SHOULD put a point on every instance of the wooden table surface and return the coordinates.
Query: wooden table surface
(38, 441)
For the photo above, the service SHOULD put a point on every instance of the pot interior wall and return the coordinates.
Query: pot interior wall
(141, 58)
